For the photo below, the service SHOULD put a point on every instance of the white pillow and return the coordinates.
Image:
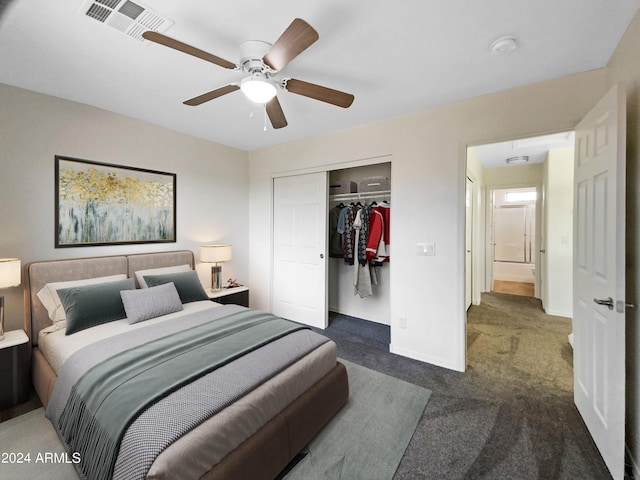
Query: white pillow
(48, 294)
(159, 271)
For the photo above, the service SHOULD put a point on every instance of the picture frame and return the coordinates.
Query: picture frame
(106, 204)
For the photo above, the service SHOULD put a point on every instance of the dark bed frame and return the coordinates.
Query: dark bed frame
(263, 455)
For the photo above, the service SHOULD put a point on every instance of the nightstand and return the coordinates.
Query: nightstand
(14, 364)
(236, 295)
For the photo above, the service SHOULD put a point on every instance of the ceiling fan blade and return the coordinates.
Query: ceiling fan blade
(183, 47)
(318, 92)
(205, 97)
(294, 40)
(276, 115)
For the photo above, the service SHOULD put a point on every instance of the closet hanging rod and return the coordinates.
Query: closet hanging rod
(359, 196)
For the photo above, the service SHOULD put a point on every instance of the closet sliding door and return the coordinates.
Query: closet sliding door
(300, 248)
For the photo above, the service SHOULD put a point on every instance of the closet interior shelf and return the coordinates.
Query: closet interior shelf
(338, 197)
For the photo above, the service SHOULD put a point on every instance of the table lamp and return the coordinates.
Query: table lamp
(215, 254)
(9, 277)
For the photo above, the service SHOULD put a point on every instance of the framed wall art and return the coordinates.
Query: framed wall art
(104, 204)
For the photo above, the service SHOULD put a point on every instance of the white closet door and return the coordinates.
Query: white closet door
(300, 248)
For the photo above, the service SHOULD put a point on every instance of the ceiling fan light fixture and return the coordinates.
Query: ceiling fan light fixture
(258, 89)
(520, 159)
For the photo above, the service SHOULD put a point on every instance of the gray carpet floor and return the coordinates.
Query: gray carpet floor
(509, 416)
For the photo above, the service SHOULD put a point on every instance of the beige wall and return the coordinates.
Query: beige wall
(514, 176)
(625, 67)
(428, 152)
(212, 180)
(558, 232)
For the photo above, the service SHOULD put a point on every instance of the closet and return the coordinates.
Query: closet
(361, 186)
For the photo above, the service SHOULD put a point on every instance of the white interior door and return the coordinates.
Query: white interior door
(598, 274)
(299, 248)
(468, 239)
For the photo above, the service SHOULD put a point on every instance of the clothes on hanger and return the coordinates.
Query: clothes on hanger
(379, 239)
(348, 237)
(335, 234)
(360, 235)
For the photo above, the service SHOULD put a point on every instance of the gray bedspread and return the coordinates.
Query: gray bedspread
(180, 410)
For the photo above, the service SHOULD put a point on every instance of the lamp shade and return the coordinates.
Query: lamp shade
(215, 253)
(258, 89)
(9, 272)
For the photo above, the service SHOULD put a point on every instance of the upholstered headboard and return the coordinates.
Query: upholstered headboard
(38, 274)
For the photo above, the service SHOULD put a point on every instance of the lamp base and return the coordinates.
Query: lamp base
(216, 278)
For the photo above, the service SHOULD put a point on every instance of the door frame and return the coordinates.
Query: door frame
(481, 267)
(470, 240)
(489, 251)
(477, 239)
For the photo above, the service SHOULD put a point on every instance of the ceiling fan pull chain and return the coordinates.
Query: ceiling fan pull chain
(265, 117)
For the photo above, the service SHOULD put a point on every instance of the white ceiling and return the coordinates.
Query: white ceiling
(396, 57)
(494, 155)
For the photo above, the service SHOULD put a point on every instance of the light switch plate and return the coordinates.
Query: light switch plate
(426, 249)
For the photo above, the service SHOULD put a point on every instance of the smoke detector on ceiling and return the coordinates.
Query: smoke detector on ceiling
(504, 45)
(131, 18)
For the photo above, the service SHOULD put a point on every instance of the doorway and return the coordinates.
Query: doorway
(541, 247)
(514, 240)
(522, 247)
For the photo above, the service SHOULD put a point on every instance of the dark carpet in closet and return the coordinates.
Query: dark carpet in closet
(510, 415)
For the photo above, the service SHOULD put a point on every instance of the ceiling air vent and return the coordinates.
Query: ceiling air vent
(131, 18)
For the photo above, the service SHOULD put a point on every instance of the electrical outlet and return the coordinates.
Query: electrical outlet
(402, 321)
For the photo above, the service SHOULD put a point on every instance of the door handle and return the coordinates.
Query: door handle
(608, 302)
(543, 251)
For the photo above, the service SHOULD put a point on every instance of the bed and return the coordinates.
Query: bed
(253, 434)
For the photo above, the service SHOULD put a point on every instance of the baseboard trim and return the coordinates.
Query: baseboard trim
(440, 362)
(558, 313)
(359, 315)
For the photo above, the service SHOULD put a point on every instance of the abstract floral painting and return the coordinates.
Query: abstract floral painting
(105, 204)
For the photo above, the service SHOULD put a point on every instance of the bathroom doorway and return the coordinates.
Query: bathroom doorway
(514, 240)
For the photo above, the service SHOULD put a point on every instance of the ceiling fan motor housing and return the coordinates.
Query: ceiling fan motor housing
(251, 53)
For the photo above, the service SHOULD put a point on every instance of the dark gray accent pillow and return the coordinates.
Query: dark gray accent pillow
(92, 305)
(187, 283)
(152, 302)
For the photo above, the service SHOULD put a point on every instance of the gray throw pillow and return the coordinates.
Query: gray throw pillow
(152, 302)
(187, 283)
(92, 305)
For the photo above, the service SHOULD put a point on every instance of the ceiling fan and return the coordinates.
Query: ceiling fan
(261, 62)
